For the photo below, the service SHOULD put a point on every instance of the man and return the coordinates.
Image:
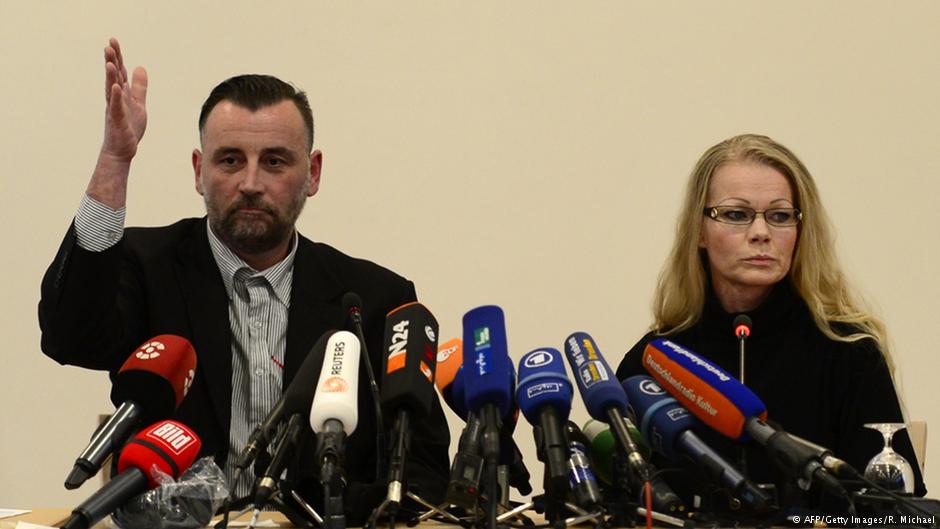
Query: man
(241, 284)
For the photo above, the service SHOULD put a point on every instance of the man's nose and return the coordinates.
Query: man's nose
(251, 180)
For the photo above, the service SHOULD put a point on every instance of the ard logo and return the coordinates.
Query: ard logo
(150, 350)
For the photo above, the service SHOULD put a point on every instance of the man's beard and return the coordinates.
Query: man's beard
(253, 234)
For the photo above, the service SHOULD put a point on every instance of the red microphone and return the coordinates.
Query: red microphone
(167, 445)
(149, 386)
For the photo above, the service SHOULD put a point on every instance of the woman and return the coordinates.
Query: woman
(753, 238)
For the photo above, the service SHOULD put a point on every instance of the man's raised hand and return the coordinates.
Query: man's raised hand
(126, 115)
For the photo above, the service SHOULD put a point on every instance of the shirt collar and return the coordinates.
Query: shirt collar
(279, 276)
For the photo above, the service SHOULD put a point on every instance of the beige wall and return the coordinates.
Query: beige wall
(546, 143)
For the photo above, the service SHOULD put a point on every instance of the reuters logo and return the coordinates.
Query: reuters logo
(150, 350)
(334, 385)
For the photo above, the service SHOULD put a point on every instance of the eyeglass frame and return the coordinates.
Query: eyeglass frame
(711, 212)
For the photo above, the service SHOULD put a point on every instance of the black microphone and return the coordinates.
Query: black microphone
(297, 398)
(149, 386)
(742, 330)
(407, 383)
(352, 306)
(167, 445)
(587, 491)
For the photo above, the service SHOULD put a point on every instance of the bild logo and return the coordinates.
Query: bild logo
(150, 350)
(429, 332)
(650, 387)
(537, 359)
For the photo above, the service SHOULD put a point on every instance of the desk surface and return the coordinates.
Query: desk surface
(53, 517)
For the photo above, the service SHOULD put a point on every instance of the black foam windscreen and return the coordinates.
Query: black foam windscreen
(298, 396)
(410, 359)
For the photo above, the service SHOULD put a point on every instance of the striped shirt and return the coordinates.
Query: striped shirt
(258, 303)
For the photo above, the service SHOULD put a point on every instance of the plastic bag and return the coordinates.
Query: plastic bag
(184, 504)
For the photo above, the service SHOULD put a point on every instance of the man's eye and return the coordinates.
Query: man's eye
(275, 162)
(229, 160)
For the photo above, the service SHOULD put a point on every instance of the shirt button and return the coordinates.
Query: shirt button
(257, 324)
(259, 371)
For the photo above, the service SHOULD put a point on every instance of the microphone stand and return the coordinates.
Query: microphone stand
(330, 452)
(491, 427)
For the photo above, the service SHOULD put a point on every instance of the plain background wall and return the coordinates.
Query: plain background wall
(527, 154)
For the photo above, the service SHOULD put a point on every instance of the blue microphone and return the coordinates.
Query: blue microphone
(488, 384)
(544, 395)
(487, 369)
(603, 396)
(668, 427)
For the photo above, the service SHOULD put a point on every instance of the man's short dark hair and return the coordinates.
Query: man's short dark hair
(254, 92)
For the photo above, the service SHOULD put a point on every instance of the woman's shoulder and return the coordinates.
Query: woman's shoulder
(632, 362)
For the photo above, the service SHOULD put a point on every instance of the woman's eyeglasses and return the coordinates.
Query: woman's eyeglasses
(744, 216)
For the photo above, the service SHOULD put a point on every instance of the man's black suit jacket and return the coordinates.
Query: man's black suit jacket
(97, 307)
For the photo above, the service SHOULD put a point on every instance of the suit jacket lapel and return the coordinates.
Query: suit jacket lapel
(207, 307)
(315, 305)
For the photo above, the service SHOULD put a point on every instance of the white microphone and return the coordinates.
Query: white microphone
(334, 415)
(335, 403)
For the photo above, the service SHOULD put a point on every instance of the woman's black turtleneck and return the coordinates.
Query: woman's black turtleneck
(814, 387)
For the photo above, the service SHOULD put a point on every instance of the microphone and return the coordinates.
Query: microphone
(587, 491)
(732, 409)
(149, 386)
(487, 372)
(449, 362)
(168, 445)
(544, 396)
(668, 426)
(334, 416)
(489, 382)
(603, 396)
(408, 383)
(297, 398)
(742, 330)
(603, 446)
(352, 306)
(331, 359)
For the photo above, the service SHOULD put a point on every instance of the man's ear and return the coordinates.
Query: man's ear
(316, 165)
(197, 170)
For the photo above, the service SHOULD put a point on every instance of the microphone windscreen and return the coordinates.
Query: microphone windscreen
(351, 301)
(742, 325)
(710, 393)
(661, 418)
(487, 370)
(157, 376)
(169, 445)
(298, 396)
(336, 395)
(599, 388)
(543, 381)
(411, 358)
(449, 360)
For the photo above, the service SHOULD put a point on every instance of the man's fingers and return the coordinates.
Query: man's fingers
(116, 104)
(120, 59)
(139, 85)
(110, 80)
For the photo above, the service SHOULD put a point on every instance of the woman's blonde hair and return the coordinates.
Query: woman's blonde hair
(815, 271)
